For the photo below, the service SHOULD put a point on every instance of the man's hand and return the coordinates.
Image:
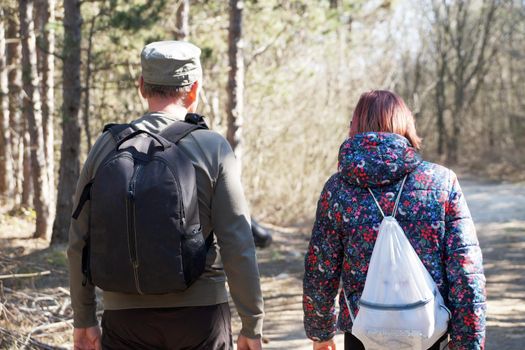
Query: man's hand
(244, 343)
(87, 338)
(324, 345)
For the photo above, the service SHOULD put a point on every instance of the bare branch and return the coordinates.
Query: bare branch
(261, 50)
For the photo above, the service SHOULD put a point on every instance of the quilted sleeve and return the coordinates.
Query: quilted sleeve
(322, 269)
(463, 260)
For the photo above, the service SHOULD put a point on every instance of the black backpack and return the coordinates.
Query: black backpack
(144, 233)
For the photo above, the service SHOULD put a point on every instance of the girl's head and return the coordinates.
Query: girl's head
(384, 111)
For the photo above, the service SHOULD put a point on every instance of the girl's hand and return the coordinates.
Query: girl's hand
(324, 345)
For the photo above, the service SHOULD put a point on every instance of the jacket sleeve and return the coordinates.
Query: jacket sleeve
(82, 297)
(231, 224)
(322, 270)
(466, 280)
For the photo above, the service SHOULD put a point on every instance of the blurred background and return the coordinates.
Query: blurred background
(281, 79)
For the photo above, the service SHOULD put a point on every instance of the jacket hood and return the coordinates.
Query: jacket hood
(375, 159)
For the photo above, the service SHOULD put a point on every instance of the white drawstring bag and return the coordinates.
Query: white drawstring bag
(400, 307)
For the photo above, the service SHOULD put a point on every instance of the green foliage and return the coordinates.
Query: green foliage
(306, 65)
(118, 30)
(133, 17)
(289, 48)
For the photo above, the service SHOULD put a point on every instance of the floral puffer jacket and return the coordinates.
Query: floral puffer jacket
(432, 212)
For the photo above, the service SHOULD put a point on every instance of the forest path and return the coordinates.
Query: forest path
(498, 210)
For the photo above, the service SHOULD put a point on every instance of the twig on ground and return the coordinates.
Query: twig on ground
(25, 275)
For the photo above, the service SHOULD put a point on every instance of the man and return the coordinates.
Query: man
(199, 317)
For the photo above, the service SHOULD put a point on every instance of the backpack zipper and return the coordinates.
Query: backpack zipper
(179, 188)
(132, 231)
(181, 204)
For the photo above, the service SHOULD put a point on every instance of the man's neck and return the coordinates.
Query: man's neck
(168, 107)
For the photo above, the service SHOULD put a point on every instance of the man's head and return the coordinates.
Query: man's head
(171, 73)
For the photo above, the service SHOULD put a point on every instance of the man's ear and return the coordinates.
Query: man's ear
(194, 93)
(141, 86)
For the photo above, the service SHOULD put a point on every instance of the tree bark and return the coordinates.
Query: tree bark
(88, 78)
(33, 110)
(182, 30)
(440, 106)
(27, 177)
(6, 159)
(235, 91)
(15, 102)
(71, 91)
(457, 121)
(45, 13)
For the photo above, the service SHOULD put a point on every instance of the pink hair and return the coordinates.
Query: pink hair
(384, 111)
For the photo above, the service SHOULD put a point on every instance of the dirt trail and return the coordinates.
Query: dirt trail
(499, 213)
(498, 210)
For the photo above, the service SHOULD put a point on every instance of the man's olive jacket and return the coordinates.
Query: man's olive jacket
(223, 210)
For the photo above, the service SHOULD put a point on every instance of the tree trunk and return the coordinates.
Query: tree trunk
(457, 121)
(334, 4)
(27, 177)
(71, 91)
(33, 106)
(15, 102)
(182, 32)
(87, 86)
(235, 78)
(440, 106)
(6, 158)
(45, 13)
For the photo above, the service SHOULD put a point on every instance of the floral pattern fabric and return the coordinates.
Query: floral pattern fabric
(433, 214)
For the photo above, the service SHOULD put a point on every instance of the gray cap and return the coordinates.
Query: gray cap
(173, 63)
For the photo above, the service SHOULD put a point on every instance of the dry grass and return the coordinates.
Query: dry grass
(35, 312)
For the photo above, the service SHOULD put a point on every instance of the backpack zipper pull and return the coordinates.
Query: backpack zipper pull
(133, 182)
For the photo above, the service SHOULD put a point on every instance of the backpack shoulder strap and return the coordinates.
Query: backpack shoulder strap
(180, 129)
(119, 131)
(399, 196)
(84, 197)
(375, 200)
(397, 199)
